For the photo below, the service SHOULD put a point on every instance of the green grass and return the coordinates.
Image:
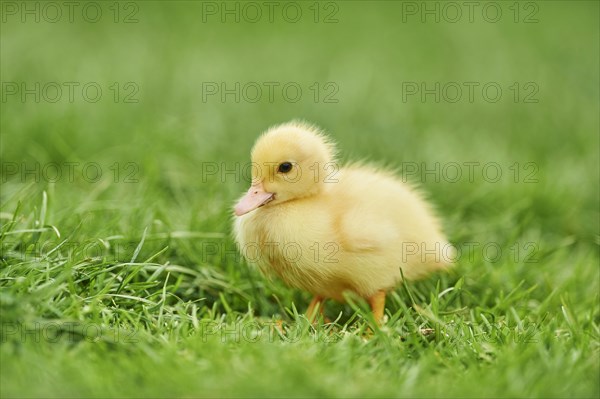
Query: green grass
(130, 286)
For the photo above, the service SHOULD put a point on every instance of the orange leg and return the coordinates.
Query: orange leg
(315, 308)
(377, 302)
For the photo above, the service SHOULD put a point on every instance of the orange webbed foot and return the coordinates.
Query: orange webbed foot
(377, 303)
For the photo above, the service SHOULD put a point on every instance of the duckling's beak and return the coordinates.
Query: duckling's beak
(254, 198)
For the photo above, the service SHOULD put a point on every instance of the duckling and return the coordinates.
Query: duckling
(327, 229)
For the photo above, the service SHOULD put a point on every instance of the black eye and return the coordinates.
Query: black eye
(284, 167)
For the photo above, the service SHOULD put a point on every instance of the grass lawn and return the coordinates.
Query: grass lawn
(126, 128)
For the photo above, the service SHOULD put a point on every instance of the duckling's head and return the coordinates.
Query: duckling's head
(288, 162)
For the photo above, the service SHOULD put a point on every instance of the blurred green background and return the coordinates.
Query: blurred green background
(155, 128)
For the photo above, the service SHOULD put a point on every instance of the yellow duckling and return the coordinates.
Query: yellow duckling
(326, 229)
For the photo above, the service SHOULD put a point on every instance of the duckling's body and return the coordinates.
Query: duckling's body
(328, 230)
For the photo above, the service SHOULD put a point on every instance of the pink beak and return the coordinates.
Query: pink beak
(255, 197)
